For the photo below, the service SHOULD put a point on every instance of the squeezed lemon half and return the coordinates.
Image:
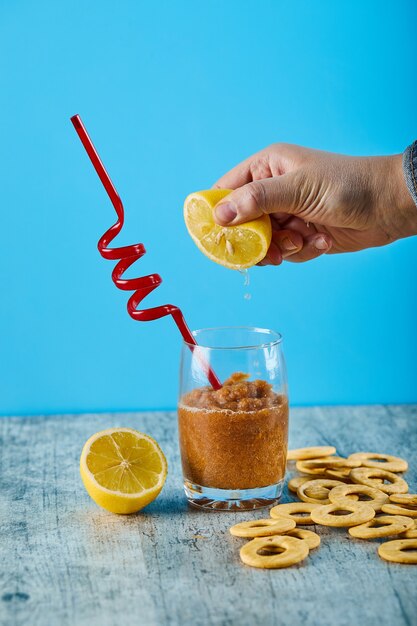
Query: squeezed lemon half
(235, 247)
(122, 469)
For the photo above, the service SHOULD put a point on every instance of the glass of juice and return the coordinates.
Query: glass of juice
(233, 440)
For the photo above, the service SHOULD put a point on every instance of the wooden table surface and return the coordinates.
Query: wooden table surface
(64, 561)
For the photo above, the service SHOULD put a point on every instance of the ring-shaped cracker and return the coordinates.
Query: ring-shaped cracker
(292, 510)
(312, 539)
(365, 476)
(338, 474)
(387, 461)
(320, 487)
(357, 514)
(300, 454)
(317, 495)
(262, 527)
(400, 509)
(318, 466)
(294, 551)
(348, 493)
(381, 526)
(409, 534)
(396, 551)
(317, 487)
(315, 471)
(404, 498)
(296, 481)
(344, 475)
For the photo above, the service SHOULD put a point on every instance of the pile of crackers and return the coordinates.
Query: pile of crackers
(364, 492)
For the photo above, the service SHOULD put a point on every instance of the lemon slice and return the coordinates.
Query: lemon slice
(236, 247)
(122, 469)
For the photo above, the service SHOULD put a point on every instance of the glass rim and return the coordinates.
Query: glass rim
(266, 344)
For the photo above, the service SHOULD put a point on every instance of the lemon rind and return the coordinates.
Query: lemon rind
(215, 259)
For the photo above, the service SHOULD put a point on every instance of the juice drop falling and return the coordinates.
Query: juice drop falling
(246, 283)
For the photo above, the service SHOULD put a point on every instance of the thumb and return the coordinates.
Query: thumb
(270, 195)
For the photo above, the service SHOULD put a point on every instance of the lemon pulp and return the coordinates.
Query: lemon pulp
(235, 247)
(122, 469)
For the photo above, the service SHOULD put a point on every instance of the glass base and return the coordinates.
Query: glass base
(232, 500)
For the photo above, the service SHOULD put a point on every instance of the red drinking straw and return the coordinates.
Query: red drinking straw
(127, 255)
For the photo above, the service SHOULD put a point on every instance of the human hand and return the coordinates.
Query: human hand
(319, 202)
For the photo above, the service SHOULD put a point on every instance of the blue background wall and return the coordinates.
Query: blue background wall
(174, 94)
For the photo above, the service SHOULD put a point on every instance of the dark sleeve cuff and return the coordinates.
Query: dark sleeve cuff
(410, 169)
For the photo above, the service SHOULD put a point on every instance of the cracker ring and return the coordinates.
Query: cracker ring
(343, 475)
(318, 494)
(315, 487)
(290, 509)
(388, 462)
(294, 551)
(404, 498)
(296, 481)
(312, 539)
(349, 493)
(357, 514)
(396, 551)
(409, 534)
(381, 526)
(335, 462)
(397, 509)
(364, 476)
(319, 466)
(301, 467)
(262, 527)
(299, 454)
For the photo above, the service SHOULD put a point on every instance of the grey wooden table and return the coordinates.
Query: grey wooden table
(64, 561)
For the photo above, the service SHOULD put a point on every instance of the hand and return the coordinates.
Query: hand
(319, 202)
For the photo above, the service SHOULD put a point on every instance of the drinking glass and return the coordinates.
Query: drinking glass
(233, 441)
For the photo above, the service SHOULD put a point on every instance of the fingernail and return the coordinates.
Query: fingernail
(225, 212)
(320, 243)
(288, 245)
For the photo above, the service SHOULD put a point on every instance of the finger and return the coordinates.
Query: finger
(270, 195)
(314, 246)
(305, 229)
(255, 167)
(273, 256)
(289, 242)
(236, 177)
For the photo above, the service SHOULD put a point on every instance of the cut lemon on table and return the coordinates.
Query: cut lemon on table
(235, 247)
(122, 469)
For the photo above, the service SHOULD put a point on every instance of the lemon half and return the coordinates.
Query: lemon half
(235, 247)
(122, 469)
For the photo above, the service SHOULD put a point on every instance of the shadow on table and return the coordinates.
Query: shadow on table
(93, 516)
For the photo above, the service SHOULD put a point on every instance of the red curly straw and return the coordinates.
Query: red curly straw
(127, 255)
